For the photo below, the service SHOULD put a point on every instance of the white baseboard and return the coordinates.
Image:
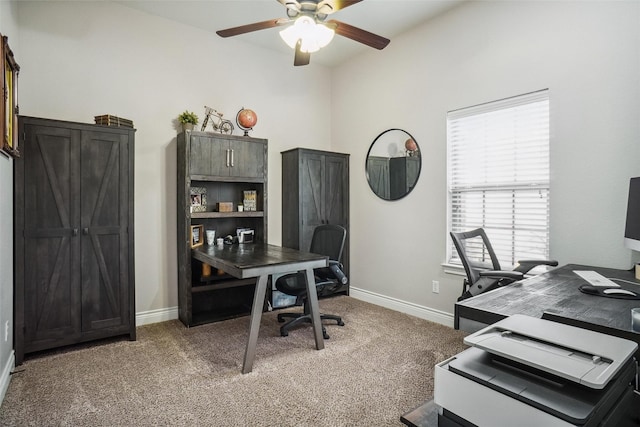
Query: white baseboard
(444, 318)
(403, 306)
(156, 316)
(6, 375)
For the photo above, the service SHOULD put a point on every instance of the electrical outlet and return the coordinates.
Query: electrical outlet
(435, 286)
(6, 330)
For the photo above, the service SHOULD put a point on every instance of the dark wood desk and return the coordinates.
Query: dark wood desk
(555, 296)
(260, 260)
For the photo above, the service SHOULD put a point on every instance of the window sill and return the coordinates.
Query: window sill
(455, 269)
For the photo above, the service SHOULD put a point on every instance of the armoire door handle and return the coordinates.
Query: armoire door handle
(232, 158)
(74, 232)
(228, 157)
(85, 231)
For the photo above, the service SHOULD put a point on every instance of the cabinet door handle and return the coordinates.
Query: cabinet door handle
(228, 157)
(232, 158)
(85, 231)
(74, 232)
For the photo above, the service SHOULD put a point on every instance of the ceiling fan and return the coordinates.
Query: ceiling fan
(310, 30)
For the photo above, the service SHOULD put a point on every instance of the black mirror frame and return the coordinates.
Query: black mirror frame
(366, 166)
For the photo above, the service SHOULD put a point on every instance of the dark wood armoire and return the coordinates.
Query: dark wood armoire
(74, 234)
(315, 191)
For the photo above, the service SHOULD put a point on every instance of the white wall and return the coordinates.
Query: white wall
(8, 27)
(87, 58)
(586, 53)
(81, 59)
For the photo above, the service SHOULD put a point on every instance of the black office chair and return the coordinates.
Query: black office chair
(473, 248)
(327, 240)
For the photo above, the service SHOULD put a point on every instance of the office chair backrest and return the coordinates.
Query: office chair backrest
(328, 239)
(476, 253)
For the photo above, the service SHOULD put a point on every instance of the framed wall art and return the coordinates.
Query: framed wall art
(9, 106)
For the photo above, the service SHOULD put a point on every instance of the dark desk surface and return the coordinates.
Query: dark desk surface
(254, 259)
(555, 296)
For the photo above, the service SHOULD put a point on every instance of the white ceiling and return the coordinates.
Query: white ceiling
(386, 18)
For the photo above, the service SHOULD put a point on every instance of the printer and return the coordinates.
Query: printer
(523, 371)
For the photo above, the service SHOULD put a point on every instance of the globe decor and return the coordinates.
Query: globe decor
(411, 147)
(246, 120)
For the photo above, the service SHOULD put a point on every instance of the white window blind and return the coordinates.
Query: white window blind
(498, 167)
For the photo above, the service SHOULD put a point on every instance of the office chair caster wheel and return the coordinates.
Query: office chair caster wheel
(325, 335)
(341, 323)
(284, 334)
(280, 319)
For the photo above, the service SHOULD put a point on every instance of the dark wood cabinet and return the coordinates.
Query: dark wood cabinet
(315, 191)
(226, 157)
(392, 178)
(74, 235)
(378, 176)
(224, 167)
(403, 175)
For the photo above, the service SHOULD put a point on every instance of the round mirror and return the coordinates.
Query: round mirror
(393, 164)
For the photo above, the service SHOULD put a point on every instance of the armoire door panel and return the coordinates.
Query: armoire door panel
(50, 284)
(100, 201)
(335, 195)
(312, 195)
(103, 295)
(104, 224)
(52, 180)
(378, 175)
(50, 245)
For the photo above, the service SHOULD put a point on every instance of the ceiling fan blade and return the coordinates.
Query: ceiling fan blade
(359, 35)
(301, 58)
(242, 29)
(330, 6)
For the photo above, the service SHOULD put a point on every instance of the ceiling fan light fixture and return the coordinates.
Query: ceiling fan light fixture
(313, 36)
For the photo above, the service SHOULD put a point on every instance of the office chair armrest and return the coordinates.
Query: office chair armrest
(525, 265)
(498, 274)
(332, 272)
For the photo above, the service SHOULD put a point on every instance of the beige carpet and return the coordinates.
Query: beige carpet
(372, 370)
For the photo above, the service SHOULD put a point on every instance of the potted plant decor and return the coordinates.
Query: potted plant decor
(188, 120)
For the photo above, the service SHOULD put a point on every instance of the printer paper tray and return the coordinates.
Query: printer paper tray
(565, 400)
(579, 355)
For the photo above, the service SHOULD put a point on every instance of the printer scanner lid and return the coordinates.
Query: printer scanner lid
(579, 355)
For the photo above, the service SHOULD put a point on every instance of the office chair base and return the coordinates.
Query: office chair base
(298, 318)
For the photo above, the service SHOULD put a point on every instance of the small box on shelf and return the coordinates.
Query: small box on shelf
(225, 207)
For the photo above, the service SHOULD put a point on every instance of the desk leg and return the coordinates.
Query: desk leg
(312, 297)
(254, 328)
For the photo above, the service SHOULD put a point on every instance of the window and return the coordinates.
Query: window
(498, 167)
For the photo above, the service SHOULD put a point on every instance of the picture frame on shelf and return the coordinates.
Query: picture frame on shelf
(9, 106)
(198, 199)
(196, 235)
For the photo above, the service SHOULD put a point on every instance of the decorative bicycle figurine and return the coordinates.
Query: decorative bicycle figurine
(217, 122)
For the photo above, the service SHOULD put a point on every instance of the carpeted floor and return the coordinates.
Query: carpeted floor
(372, 370)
